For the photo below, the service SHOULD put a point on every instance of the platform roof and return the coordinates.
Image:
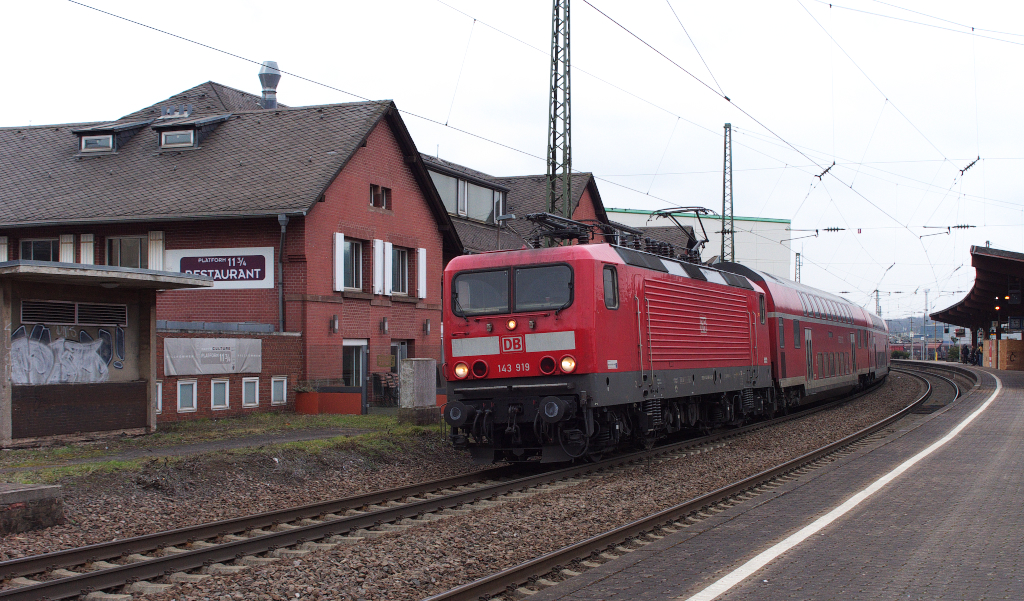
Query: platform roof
(99, 275)
(994, 270)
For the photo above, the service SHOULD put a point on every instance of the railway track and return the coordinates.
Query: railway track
(228, 546)
(525, 579)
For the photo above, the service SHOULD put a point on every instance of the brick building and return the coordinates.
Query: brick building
(320, 226)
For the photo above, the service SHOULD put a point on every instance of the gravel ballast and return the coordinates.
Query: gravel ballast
(438, 556)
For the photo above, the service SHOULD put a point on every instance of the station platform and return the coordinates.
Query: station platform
(950, 525)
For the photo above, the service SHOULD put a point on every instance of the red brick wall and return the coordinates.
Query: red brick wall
(410, 224)
(586, 210)
(282, 356)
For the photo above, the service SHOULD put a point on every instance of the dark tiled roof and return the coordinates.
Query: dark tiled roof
(671, 234)
(256, 163)
(451, 168)
(529, 193)
(206, 98)
(479, 237)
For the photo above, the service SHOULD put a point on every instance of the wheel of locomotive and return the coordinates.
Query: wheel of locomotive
(692, 413)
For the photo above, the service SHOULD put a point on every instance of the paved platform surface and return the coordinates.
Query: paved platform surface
(950, 527)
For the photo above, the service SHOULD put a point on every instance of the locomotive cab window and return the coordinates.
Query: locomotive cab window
(611, 287)
(760, 305)
(543, 288)
(480, 293)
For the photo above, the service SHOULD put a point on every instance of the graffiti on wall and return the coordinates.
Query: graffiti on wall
(65, 354)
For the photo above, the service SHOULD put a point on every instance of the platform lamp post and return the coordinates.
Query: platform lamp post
(500, 220)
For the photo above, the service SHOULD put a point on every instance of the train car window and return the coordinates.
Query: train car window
(714, 276)
(819, 313)
(675, 269)
(760, 304)
(611, 287)
(796, 333)
(543, 288)
(803, 303)
(480, 293)
(782, 333)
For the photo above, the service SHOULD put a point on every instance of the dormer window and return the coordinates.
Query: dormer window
(177, 139)
(97, 143)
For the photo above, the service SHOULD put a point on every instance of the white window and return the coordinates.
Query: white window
(499, 204)
(219, 394)
(250, 392)
(278, 390)
(97, 143)
(67, 248)
(421, 273)
(47, 249)
(86, 249)
(399, 271)
(3, 249)
(463, 197)
(131, 251)
(156, 250)
(353, 264)
(378, 267)
(380, 197)
(158, 396)
(352, 362)
(176, 139)
(187, 395)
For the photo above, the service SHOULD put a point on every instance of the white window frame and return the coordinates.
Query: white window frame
(158, 394)
(110, 146)
(361, 344)
(195, 395)
(53, 259)
(378, 267)
(257, 382)
(273, 381)
(227, 394)
(191, 138)
(421, 273)
(143, 241)
(401, 255)
(66, 252)
(355, 270)
(87, 249)
(462, 203)
(4, 256)
(389, 257)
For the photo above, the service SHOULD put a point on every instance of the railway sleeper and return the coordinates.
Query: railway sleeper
(145, 587)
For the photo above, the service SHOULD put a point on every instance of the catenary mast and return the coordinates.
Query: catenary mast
(559, 122)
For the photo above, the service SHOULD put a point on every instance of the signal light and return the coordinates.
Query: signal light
(568, 364)
(461, 370)
(511, 324)
(479, 369)
(547, 366)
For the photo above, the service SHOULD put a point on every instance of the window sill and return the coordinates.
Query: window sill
(250, 405)
(402, 298)
(356, 294)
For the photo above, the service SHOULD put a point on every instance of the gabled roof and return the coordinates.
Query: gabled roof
(206, 98)
(257, 162)
(456, 170)
(529, 193)
(480, 237)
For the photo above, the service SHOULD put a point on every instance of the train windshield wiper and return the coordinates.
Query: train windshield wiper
(458, 307)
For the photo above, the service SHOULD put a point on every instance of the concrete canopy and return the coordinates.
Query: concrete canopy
(994, 271)
(100, 275)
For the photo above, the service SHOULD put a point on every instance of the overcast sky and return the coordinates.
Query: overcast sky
(900, 100)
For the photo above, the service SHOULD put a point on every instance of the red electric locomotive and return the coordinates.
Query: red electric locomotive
(557, 353)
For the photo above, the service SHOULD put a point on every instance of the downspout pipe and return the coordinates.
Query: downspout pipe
(283, 220)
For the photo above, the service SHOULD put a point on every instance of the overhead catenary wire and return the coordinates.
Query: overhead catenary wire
(692, 43)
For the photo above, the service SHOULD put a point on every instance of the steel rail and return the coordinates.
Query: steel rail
(228, 551)
(500, 582)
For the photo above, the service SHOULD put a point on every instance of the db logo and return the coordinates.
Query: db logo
(512, 344)
(703, 325)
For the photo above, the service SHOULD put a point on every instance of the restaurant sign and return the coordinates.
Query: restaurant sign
(230, 268)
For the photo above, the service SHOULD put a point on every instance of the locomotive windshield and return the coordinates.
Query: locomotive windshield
(480, 292)
(537, 288)
(543, 288)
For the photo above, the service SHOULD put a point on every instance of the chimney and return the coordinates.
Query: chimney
(269, 76)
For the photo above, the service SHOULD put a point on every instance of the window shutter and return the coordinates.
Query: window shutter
(3, 249)
(378, 267)
(421, 273)
(86, 249)
(389, 257)
(156, 250)
(339, 262)
(67, 248)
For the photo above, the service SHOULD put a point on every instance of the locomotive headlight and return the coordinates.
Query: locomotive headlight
(568, 364)
(511, 324)
(461, 370)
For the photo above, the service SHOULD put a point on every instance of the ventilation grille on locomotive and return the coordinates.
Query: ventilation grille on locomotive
(68, 313)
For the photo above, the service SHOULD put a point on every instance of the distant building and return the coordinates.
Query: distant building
(761, 243)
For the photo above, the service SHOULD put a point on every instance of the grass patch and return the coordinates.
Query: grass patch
(385, 437)
(195, 432)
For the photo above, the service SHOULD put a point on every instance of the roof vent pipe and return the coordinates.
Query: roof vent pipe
(269, 77)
